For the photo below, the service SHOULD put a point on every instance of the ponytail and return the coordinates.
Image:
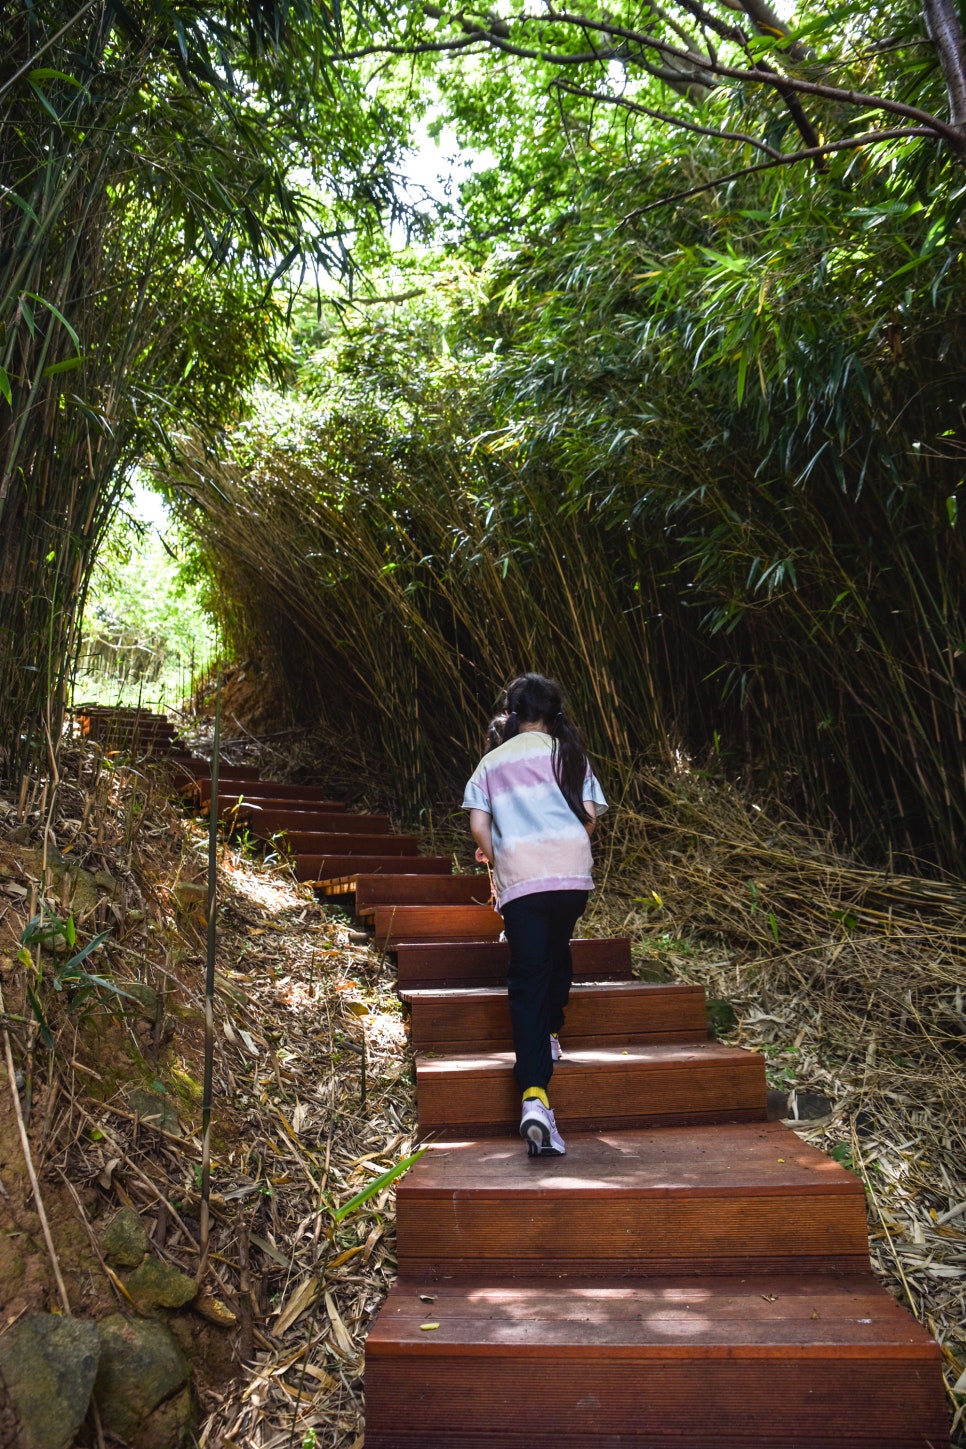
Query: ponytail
(570, 764)
(533, 699)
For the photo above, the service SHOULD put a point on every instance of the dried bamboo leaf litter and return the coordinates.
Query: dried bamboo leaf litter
(849, 980)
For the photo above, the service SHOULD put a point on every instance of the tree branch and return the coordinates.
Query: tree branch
(574, 90)
(946, 33)
(850, 143)
(774, 79)
(705, 69)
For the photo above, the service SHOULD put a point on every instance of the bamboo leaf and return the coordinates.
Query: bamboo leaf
(376, 1186)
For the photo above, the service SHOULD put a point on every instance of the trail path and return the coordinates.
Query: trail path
(683, 1240)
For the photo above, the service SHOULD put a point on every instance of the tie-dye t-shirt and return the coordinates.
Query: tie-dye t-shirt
(538, 842)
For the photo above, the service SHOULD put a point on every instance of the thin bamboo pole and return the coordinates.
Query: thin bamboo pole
(210, 983)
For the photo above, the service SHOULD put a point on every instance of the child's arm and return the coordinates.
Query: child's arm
(481, 829)
(591, 807)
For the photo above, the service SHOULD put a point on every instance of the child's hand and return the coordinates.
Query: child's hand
(482, 858)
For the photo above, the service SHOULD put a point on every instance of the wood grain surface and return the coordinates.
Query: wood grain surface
(453, 1021)
(337, 872)
(638, 1085)
(429, 963)
(395, 925)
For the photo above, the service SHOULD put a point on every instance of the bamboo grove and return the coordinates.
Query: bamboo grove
(668, 401)
(147, 196)
(709, 473)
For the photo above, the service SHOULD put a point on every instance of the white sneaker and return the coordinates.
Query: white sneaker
(539, 1130)
(556, 1050)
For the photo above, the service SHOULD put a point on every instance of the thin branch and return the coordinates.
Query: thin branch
(712, 69)
(670, 120)
(850, 143)
(773, 79)
(32, 61)
(421, 47)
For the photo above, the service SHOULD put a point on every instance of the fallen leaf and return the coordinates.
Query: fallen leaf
(303, 1297)
(341, 1335)
(216, 1310)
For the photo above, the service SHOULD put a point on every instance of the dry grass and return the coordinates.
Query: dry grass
(849, 980)
(312, 1104)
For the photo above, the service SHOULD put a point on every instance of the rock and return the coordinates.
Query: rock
(84, 890)
(140, 1387)
(155, 1285)
(216, 1310)
(168, 1425)
(157, 1110)
(48, 1364)
(721, 1017)
(811, 1106)
(188, 893)
(797, 1106)
(146, 997)
(124, 1240)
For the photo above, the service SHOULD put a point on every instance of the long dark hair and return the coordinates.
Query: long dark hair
(533, 699)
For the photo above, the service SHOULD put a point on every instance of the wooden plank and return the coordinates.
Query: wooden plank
(600, 1014)
(255, 797)
(335, 875)
(732, 1198)
(468, 963)
(595, 1088)
(264, 823)
(405, 890)
(232, 779)
(394, 925)
(306, 842)
(773, 1362)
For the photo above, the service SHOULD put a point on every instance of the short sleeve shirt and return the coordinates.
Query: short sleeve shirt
(538, 842)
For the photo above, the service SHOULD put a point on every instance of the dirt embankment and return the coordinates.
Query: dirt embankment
(310, 1106)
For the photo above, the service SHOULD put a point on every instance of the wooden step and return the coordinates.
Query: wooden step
(265, 823)
(394, 925)
(732, 1198)
(255, 798)
(774, 1362)
(129, 729)
(335, 875)
(311, 842)
(406, 890)
(118, 711)
(477, 963)
(595, 1089)
(598, 1015)
(232, 780)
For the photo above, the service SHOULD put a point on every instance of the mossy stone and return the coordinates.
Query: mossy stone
(721, 1017)
(124, 1240)
(48, 1364)
(155, 1285)
(155, 1109)
(141, 1369)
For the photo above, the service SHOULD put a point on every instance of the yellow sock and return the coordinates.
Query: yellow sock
(540, 1095)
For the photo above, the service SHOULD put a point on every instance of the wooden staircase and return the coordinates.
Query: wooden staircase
(688, 1276)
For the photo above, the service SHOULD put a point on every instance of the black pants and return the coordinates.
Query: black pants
(538, 928)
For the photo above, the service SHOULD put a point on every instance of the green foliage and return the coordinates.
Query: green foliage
(696, 464)
(146, 632)
(49, 932)
(161, 168)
